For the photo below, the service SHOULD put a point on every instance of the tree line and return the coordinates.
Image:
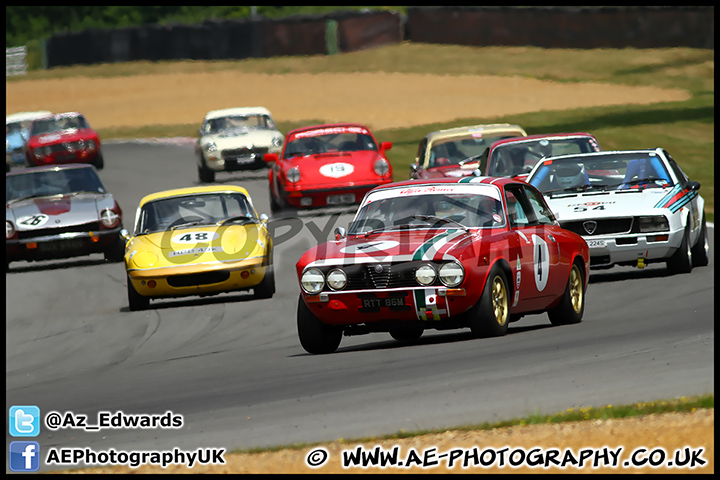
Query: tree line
(24, 24)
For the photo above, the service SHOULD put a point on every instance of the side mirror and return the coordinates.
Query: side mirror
(270, 157)
(340, 233)
(125, 234)
(264, 218)
(414, 167)
(385, 146)
(693, 186)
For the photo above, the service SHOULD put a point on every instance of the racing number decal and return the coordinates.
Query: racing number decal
(195, 237)
(582, 208)
(33, 221)
(541, 262)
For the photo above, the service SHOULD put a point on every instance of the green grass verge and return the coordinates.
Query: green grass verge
(685, 129)
(679, 405)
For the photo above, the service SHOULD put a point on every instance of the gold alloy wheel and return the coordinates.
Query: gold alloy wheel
(499, 301)
(576, 289)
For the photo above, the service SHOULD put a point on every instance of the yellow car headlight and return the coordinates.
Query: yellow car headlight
(144, 259)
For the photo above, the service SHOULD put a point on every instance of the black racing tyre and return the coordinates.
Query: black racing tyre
(266, 288)
(275, 207)
(116, 252)
(99, 162)
(135, 300)
(572, 306)
(681, 260)
(315, 336)
(407, 333)
(700, 252)
(205, 174)
(490, 316)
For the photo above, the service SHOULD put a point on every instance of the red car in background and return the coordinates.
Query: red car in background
(63, 138)
(515, 157)
(327, 165)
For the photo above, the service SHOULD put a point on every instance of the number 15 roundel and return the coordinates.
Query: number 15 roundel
(541, 262)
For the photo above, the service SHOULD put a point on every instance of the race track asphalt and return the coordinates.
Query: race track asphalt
(234, 369)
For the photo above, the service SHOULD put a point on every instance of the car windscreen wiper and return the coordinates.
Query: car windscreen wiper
(27, 197)
(433, 218)
(188, 224)
(237, 218)
(381, 229)
(580, 188)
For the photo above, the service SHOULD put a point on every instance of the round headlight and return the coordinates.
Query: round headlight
(312, 280)
(451, 274)
(336, 279)
(109, 218)
(425, 275)
(9, 229)
(382, 167)
(293, 175)
(277, 141)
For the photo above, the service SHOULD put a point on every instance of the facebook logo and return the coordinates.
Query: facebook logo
(24, 456)
(24, 421)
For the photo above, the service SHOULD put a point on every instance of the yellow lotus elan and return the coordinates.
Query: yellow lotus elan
(197, 241)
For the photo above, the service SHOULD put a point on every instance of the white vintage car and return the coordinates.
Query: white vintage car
(632, 207)
(235, 139)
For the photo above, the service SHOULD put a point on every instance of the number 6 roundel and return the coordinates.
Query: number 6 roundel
(541, 262)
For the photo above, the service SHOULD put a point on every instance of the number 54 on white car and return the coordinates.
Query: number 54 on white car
(632, 207)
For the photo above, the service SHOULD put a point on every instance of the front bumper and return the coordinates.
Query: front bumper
(56, 158)
(61, 245)
(627, 249)
(430, 306)
(324, 197)
(232, 160)
(199, 279)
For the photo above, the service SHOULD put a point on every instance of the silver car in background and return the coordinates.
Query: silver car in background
(60, 211)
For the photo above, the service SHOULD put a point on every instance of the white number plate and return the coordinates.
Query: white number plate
(340, 199)
(243, 160)
(596, 243)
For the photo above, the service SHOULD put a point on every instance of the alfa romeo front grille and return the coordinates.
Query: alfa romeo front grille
(397, 275)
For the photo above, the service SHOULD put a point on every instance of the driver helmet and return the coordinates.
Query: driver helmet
(570, 175)
(545, 148)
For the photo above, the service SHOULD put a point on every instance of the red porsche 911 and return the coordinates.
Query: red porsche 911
(476, 252)
(326, 165)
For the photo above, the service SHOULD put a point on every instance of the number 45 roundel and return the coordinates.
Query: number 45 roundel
(541, 262)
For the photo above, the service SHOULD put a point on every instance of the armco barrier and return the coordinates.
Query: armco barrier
(564, 27)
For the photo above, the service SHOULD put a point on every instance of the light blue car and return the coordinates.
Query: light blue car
(16, 134)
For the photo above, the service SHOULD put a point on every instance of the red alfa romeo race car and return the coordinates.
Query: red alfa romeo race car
(63, 138)
(327, 165)
(475, 252)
